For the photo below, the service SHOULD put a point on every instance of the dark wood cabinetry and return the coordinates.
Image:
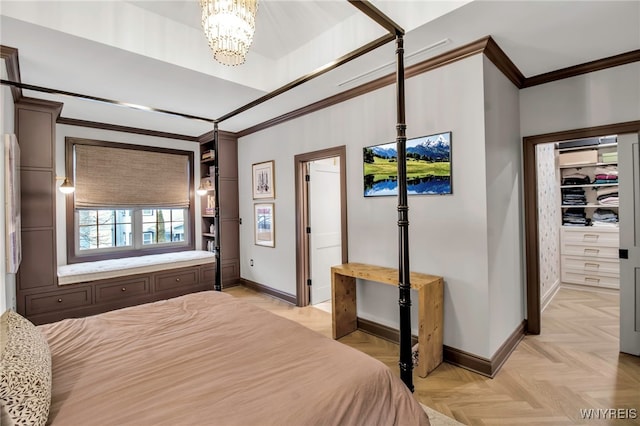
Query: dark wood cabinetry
(94, 297)
(39, 297)
(35, 130)
(228, 209)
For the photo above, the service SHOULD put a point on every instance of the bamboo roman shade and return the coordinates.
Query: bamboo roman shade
(109, 177)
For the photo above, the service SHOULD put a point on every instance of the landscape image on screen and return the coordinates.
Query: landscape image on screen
(428, 166)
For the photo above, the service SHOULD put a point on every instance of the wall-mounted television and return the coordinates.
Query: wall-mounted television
(428, 167)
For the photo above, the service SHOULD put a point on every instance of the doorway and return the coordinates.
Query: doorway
(321, 221)
(531, 209)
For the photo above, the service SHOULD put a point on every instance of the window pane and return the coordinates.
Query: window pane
(177, 231)
(106, 216)
(87, 217)
(147, 238)
(123, 216)
(177, 215)
(123, 235)
(106, 236)
(149, 216)
(88, 237)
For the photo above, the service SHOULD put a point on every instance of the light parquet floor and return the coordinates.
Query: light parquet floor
(573, 365)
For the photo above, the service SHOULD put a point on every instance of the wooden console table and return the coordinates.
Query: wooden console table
(430, 301)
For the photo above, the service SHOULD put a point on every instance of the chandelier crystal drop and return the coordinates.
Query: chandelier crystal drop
(229, 26)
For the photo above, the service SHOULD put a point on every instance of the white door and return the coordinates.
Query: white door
(629, 195)
(325, 244)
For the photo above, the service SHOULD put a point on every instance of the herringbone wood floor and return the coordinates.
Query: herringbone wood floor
(573, 364)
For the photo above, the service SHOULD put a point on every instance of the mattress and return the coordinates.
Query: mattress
(211, 359)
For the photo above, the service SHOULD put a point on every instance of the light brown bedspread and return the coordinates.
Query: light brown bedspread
(211, 359)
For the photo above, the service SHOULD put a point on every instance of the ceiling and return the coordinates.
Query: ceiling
(154, 54)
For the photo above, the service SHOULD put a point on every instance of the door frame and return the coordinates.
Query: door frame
(302, 238)
(530, 183)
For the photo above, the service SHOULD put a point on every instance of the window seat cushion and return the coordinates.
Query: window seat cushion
(103, 269)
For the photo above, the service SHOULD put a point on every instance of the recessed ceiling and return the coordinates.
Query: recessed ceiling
(153, 53)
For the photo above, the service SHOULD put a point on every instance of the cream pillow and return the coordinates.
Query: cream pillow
(25, 372)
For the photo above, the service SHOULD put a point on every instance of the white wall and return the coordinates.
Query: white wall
(504, 224)
(63, 131)
(594, 99)
(448, 234)
(8, 281)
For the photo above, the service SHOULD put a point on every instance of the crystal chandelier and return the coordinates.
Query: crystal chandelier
(229, 27)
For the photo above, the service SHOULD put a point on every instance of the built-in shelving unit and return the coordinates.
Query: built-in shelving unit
(208, 183)
(589, 238)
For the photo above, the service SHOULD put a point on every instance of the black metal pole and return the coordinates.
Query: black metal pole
(216, 182)
(404, 284)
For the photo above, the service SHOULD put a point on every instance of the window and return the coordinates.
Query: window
(119, 209)
(116, 230)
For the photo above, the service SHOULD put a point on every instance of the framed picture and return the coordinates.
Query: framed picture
(264, 185)
(265, 234)
(428, 167)
(13, 246)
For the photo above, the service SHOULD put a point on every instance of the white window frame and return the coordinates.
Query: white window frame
(137, 235)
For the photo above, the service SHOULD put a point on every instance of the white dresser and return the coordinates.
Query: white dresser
(589, 256)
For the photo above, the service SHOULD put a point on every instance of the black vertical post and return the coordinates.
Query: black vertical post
(406, 362)
(216, 182)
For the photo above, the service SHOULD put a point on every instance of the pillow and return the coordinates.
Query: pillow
(25, 372)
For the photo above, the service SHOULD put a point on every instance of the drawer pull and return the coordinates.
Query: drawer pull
(59, 300)
(590, 237)
(592, 280)
(177, 280)
(591, 251)
(123, 289)
(592, 265)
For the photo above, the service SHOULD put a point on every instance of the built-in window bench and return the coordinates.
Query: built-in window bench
(93, 287)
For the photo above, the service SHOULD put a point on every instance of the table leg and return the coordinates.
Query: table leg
(430, 314)
(343, 309)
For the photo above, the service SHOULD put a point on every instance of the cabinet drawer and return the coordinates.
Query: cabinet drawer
(591, 266)
(590, 236)
(589, 251)
(122, 289)
(50, 302)
(597, 280)
(178, 278)
(208, 275)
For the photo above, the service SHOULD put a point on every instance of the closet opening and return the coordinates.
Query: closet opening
(581, 205)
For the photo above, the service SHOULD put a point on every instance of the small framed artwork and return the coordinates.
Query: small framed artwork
(263, 180)
(265, 234)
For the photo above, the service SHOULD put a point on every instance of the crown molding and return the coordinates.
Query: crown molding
(10, 56)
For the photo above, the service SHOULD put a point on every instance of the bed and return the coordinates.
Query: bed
(208, 358)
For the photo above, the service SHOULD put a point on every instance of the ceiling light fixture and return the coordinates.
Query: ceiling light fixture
(229, 26)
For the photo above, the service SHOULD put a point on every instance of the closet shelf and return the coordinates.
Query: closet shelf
(588, 147)
(580, 166)
(589, 206)
(589, 185)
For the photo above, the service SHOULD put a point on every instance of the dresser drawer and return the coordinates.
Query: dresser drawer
(591, 236)
(122, 289)
(175, 279)
(610, 267)
(58, 301)
(598, 280)
(589, 251)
